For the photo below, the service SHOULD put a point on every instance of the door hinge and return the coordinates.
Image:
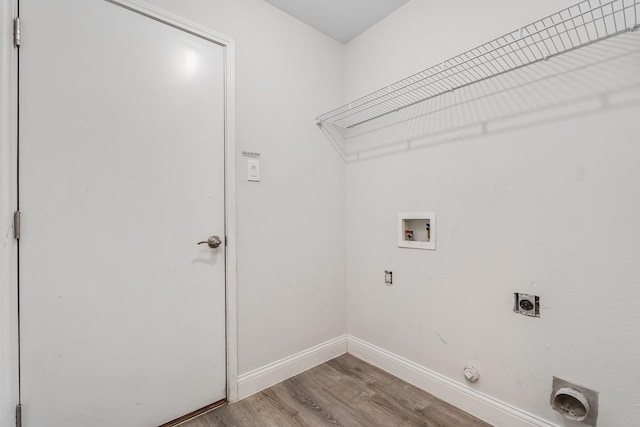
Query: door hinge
(19, 415)
(16, 225)
(16, 31)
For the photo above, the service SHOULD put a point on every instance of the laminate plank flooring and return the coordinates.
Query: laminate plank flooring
(345, 391)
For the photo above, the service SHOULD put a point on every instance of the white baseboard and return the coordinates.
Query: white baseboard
(487, 408)
(259, 379)
(493, 411)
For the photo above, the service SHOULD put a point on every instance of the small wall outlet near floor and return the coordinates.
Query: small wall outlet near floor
(526, 304)
(388, 277)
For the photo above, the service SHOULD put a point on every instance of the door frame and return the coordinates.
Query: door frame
(9, 353)
(9, 301)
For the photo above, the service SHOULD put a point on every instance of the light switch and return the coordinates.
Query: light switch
(253, 166)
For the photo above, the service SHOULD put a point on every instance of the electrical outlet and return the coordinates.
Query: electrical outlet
(388, 277)
(526, 304)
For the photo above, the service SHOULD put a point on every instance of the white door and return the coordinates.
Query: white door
(122, 314)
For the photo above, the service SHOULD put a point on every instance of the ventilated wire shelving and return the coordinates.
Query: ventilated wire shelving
(582, 24)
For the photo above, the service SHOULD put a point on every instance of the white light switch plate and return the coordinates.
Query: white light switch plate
(253, 168)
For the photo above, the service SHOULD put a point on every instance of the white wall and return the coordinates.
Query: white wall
(545, 202)
(423, 33)
(291, 250)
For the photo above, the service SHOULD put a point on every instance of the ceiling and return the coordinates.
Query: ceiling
(340, 19)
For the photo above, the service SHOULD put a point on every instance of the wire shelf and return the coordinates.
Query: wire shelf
(579, 25)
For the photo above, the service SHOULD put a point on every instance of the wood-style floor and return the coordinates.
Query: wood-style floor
(345, 391)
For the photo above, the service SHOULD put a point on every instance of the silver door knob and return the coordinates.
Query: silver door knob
(213, 242)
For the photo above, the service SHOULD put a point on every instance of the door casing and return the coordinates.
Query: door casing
(9, 355)
(9, 284)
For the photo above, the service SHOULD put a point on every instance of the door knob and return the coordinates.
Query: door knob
(213, 242)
